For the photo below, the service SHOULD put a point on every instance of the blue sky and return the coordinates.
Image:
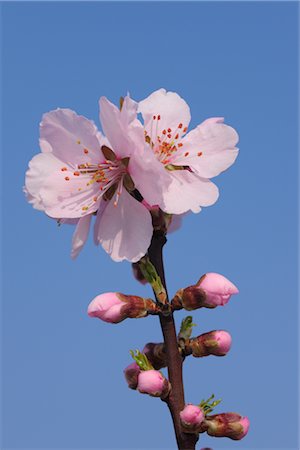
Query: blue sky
(62, 375)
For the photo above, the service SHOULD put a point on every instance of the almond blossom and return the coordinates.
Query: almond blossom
(81, 173)
(189, 159)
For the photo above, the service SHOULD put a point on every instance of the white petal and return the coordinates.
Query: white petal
(73, 139)
(80, 235)
(125, 230)
(171, 108)
(188, 191)
(209, 149)
(39, 168)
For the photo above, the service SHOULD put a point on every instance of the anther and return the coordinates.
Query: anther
(67, 178)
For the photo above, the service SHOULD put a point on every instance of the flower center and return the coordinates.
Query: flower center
(165, 142)
(111, 175)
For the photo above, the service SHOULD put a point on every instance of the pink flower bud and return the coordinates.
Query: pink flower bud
(229, 425)
(191, 418)
(216, 343)
(131, 373)
(211, 290)
(217, 288)
(114, 307)
(152, 382)
(107, 307)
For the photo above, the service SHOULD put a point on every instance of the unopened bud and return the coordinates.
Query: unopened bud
(138, 274)
(114, 307)
(131, 373)
(211, 290)
(156, 354)
(216, 343)
(230, 425)
(191, 418)
(152, 382)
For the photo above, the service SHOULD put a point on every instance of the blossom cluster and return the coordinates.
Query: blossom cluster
(121, 175)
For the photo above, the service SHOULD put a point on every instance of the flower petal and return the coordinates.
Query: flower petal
(80, 235)
(149, 175)
(125, 230)
(69, 196)
(114, 127)
(188, 191)
(73, 139)
(39, 168)
(171, 108)
(209, 149)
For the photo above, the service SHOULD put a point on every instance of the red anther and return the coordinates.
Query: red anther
(169, 130)
(180, 125)
(180, 144)
(158, 117)
(63, 169)
(67, 178)
(177, 136)
(186, 154)
(169, 136)
(199, 153)
(185, 129)
(85, 150)
(164, 132)
(95, 199)
(76, 174)
(154, 117)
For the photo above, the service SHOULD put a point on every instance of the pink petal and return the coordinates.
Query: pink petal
(125, 230)
(66, 195)
(73, 139)
(188, 191)
(80, 235)
(114, 128)
(171, 108)
(149, 175)
(209, 149)
(39, 168)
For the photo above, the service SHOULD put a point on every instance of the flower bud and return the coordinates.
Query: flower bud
(131, 373)
(211, 290)
(156, 354)
(216, 343)
(152, 382)
(137, 273)
(230, 425)
(191, 418)
(114, 307)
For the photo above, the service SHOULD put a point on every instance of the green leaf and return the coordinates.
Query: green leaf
(186, 328)
(141, 360)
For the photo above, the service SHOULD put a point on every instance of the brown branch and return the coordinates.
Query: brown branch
(175, 400)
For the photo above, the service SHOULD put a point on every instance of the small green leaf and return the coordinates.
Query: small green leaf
(186, 328)
(141, 360)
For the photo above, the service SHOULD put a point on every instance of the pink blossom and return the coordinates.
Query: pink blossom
(80, 172)
(217, 288)
(191, 417)
(223, 340)
(107, 307)
(231, 425)
(189, 159)
(114, 307)
(152, 382)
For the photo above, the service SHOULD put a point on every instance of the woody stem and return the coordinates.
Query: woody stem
(175, 400)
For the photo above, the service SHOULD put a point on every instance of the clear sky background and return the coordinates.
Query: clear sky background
(63, 384)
